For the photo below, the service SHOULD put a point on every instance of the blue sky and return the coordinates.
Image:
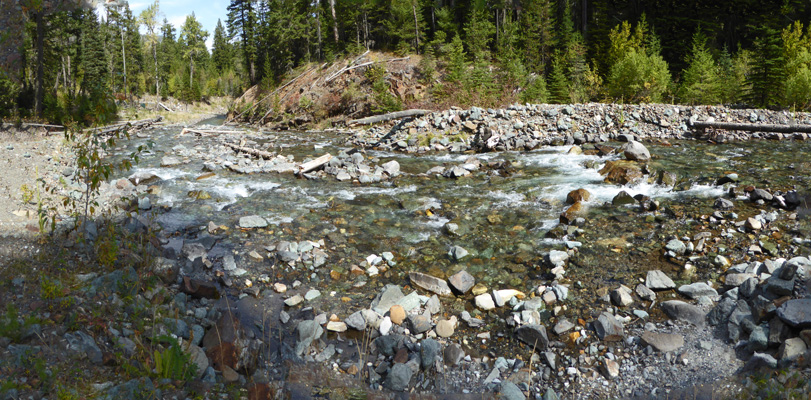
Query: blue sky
(175, 11)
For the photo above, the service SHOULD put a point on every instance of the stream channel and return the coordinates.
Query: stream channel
(506, 216)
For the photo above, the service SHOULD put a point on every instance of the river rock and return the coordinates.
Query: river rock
(622, 198)
(398, 378)
(485, 302)
(696, 290)
(533, 335)
(723, 204)
(169, 161)
(682, 311)
(796, 313)
(621, 172)
(453, 354)
(419, 323)
(792, 348)
(429, 350)
(308, 331)
(577, 195)
(760, 194)
(392, 168)
(385, 326)
(611, 368)
(557, 258)
(752, 224)
(676, 246)
(622, 296)
(608, 328)
(657, 280)
(645, 293)
(501, 297)
(85, 346)
(356, 321)
(509, 391)
(252, 221)
(430, 283)
(397, 314)
(444, 328)
(457, 253)
(575, 210)
(336, 326)
(662, 342)
(462, 281)
(635, 151)
(390, 295)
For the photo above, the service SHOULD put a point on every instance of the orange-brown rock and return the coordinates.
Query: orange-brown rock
(621, 172)
(568, 216)
(578, 195)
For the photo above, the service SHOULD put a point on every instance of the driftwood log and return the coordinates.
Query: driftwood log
(314, 164)
(208, 132)
(251, 151)
(385, 117)
(129, 125)
(731, 126)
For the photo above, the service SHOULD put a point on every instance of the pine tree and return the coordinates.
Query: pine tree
(242, 25)
(767, 69)
(221, 49)
(558, 83)
(193, 42)
(701, 80)
(537, 34)
(94, 57)
(149, 18)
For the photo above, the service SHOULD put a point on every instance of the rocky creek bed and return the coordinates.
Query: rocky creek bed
(584, 251)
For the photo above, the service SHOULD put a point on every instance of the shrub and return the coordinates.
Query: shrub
(701, 82)
(535, 91)
(639, 77)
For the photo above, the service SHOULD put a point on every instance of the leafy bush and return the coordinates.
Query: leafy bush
(384, 101)
(639, 77)
(535, 91)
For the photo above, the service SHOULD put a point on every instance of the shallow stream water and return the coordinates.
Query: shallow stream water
(504, 212)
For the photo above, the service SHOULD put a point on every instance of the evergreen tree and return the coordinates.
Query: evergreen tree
(405, 25)
(767, 69)
(701, 80)
(242, 26)
(149, 18)
(221, 49)
(94, 57)
(537, 36)
(193, 42)
(167, 58)
(797, 53)
(479, 32)
(558, 83)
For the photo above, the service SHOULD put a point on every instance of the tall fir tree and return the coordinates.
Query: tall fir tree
(767, 69)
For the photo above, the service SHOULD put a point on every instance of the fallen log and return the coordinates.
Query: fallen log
(270, 94)
(208, 132)
(314, 164)
(385, 117)
(731, 126)
(254, 152)
(165, 107)
(337, 74)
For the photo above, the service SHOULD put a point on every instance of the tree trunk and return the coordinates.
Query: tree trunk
(334, 20)
(38, 89)
(416, 27)
(318, 26)
(124, 59)
(157, 77)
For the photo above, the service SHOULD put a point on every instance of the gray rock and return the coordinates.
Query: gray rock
(645, 293)
(759, 339)
(429, 350)
(676, 246)
(557, 258)
(462, 281)
(252, 221)
(419, 323)
(796, 313)
(563, 326)
(84, 345)
(308, 331)
(356, 321)
(550, 394)
(135, 389)
(657, 280)
(735, 280)
(390, 295)
(759, 361)
(720, 314)
(509, 391)
(723, 204)
(312, 294)
(169, 161)
(760, 194)
(662, 342)
(454, 354)
(410, 302)
(485, 302)
(696, 290)
(144, 203)
(457, 253)
(392, 168)
(682, 311)
(792, 349)
(198, 357)
(635, 151)
(779, 287)
(608, 327)
(533, 335)
(433, 305)
(622, 198)
(398, 378)
(748, 287)
(622, 296)
(430, 283)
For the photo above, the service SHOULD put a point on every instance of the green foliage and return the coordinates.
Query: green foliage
(797, 54)
(10, 325)
(173, 363)
(8, 95)
(479, 32)
(638, 77)
(384, 101)
(701, 81)
(767, 69)
(535, 91)
(537, 22)
(637, 73)
(558, 84)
